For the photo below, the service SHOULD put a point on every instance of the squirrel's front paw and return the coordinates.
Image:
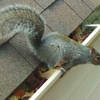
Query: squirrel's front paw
(63, 71)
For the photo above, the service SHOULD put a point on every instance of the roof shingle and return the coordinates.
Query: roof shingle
(60, 17)
(45, 3)
(92, 3)
(13, 70)
(79, 7)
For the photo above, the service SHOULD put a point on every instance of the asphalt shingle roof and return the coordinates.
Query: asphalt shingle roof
(16, 61)
(45, 3)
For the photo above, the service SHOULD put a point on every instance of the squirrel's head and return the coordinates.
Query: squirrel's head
(95, 56)
(96, 59)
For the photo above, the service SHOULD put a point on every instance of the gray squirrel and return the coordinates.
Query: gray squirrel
(51, 49)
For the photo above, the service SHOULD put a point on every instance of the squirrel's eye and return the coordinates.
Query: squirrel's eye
(97, 58)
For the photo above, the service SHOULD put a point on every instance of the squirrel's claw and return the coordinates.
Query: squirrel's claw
(63, 71)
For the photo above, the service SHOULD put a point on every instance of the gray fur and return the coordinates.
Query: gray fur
(21, 19)
(51, 49)
(57, 49)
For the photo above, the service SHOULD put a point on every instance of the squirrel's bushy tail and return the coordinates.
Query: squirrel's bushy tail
(21, 18)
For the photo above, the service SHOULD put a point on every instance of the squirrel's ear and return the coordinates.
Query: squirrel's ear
(91, 48)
